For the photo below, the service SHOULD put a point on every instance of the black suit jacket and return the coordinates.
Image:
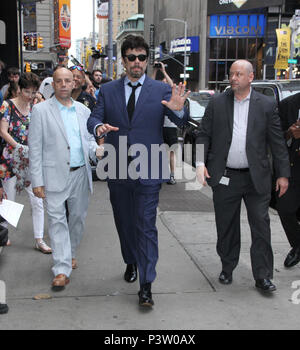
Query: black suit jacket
(288, 112)
(263, 133)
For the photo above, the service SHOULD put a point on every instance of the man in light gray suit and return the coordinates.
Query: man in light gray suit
(237, 130)
(59, 149)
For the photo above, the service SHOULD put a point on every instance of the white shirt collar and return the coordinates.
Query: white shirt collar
(246, 98)
(141, 80)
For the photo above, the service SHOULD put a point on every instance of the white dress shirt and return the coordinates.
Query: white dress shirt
(237, 157)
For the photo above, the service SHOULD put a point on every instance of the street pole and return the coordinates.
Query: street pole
(21, 36)
(110, 39)
(94, 20)
(185, 39)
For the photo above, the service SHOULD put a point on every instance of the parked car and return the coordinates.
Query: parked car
(278, 89)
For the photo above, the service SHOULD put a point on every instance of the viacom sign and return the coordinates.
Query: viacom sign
(237, 26)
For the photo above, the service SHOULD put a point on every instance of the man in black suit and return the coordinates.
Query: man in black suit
(289, 204)
(238, 127)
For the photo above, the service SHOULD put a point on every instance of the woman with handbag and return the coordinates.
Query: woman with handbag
(14, 124)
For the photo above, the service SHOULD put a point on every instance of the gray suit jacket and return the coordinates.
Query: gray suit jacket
(263, 134)
(49, 151)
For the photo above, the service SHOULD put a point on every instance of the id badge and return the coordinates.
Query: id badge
(224, 180)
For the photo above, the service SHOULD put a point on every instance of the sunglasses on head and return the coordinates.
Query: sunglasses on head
(132, 57)
(77, 67)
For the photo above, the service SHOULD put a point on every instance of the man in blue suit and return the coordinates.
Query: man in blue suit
(133, 109)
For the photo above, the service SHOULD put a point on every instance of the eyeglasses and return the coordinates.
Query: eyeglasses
(132, 57)
(77, 67)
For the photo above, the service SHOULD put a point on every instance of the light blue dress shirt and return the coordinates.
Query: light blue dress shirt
(70, 121)
(128, 88)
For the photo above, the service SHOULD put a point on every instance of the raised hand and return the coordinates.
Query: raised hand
(178, 98)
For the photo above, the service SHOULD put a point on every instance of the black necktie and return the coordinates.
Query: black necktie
(131, 101)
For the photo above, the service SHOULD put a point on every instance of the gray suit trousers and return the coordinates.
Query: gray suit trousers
(66, 236)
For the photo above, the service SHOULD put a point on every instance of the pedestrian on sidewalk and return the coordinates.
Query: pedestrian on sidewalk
(288, 206)
(78, 93)
(13, 74)
(15, 117)
(134, 107)
(60, 170)
(237, 129)
(170, 128)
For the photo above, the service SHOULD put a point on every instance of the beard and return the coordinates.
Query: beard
(136, 73)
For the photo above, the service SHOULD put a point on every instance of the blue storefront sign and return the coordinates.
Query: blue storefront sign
(237, 25)
(192, 45)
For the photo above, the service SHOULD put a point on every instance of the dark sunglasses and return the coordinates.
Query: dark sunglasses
(132, 57)
(77, 67)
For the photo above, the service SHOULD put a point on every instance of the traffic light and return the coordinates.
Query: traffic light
(27, 67)
(99, 48)
(40, 43)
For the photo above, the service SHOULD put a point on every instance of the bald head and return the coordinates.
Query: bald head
(63, 84)
(240, 77)
(61, 71)
(245, 64)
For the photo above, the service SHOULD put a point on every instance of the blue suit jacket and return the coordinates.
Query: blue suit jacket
(144, 129)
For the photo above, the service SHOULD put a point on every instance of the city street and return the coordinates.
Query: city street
(186, 293)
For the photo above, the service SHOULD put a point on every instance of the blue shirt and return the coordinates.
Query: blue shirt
(70, 121)
(128, 89)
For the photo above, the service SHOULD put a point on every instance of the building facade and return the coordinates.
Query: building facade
(122, 10)
(38, 30)
(133, 25)
(218, 33)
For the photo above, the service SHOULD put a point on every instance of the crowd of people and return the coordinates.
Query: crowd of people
(53, 125)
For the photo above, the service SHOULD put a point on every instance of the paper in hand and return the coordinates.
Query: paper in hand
(11, 211)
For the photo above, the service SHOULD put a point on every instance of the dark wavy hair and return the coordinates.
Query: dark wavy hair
(134, 42)
(29, 80)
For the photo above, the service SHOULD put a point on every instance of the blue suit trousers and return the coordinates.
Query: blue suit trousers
(135, 207)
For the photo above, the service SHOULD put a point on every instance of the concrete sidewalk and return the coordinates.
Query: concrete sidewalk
(186, 293)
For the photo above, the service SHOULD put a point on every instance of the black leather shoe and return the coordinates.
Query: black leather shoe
(265, 285)
(225, 278)
(145, 296)
(130, 274)
(292, 258)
